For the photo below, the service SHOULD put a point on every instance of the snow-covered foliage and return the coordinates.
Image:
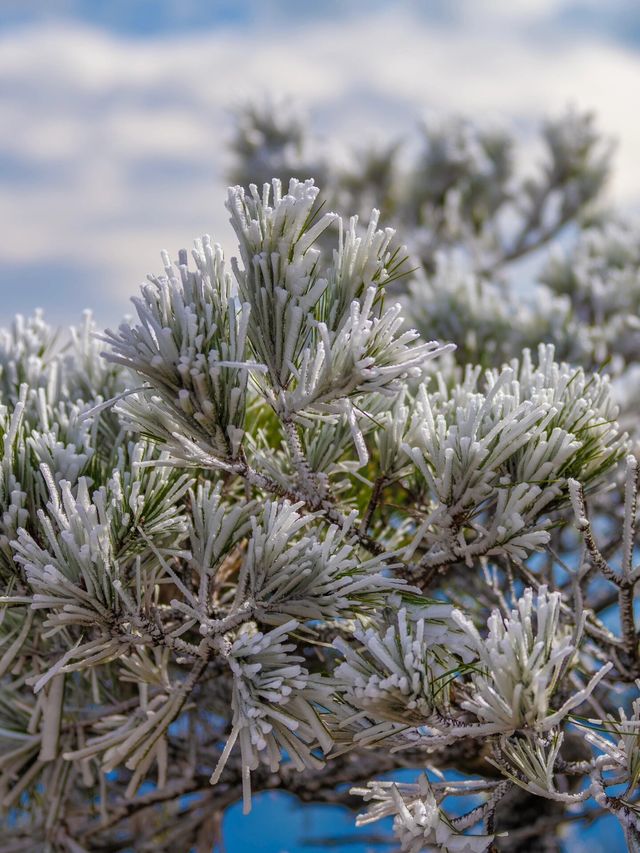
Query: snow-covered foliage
(277, 532)
(520, 664)
(418, 820)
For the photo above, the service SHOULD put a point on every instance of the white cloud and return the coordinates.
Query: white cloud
(121, 142)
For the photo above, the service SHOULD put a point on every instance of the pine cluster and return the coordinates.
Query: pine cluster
(339, 508)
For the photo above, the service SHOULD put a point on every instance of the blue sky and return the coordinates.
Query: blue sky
(618, 19)
(115, 114)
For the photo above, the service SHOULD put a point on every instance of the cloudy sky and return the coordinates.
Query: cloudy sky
(115, 115)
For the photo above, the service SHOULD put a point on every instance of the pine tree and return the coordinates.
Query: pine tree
(339, 508)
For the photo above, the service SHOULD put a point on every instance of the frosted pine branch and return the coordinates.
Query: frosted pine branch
(215, 536)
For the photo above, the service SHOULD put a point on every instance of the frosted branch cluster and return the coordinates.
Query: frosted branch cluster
(267, 534)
